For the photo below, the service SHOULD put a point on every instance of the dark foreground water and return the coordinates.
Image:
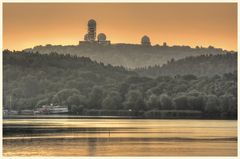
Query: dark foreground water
(119, 137)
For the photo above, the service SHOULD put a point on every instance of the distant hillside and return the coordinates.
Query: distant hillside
(128, 55)
(31, 77)
(31, 80)
(204, 65)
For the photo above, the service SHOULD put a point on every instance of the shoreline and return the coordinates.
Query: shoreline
(101, 117)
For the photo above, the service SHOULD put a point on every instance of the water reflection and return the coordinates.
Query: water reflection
(119, 137)
(92, 146)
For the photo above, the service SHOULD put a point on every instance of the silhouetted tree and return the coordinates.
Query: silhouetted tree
(181, 102)
(112, 101)
(153, 102)
(212, 105)
(134, 100)
(96, 97)
(166, 102)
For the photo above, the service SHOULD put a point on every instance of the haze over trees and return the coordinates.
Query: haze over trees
(203, 65)
(91, 88)
(125, 54)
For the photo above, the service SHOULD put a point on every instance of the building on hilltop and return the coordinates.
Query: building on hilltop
(90, 37)
(145, 41)
(164, 44)
(92, 26)
(102, 39)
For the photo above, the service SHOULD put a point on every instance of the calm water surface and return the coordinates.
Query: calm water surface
(119, 137)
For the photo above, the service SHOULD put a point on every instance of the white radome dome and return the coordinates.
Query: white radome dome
(101, 37)
(145, 40)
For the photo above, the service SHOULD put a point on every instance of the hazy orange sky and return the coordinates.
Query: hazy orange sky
(28, 24)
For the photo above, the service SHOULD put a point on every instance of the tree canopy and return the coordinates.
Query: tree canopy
(91, 88)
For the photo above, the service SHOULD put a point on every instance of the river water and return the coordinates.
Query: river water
(119, 137)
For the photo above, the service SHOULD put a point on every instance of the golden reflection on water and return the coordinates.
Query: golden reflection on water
(119, 137)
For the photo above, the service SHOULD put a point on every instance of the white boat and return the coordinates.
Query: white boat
(27, 112)
(12, 112)
(58, 110)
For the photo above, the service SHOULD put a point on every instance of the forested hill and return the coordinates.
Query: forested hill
(60, 64)
(31, 80)
(32, 77)
(204, 65)
(128, 55)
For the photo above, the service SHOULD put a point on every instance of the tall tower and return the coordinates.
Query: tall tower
(92, 30)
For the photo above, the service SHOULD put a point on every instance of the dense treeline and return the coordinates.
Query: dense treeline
(90, 88)
(129, 55)
(204, 65)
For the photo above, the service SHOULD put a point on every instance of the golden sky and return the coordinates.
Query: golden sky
(28, 24)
